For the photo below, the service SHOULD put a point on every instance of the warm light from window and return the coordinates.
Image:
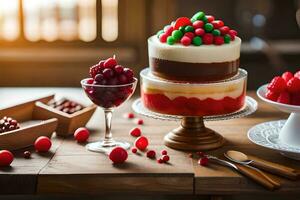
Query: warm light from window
(87, 20)
(9, 20)
(31, 9)
(109, 20)
(68, 28)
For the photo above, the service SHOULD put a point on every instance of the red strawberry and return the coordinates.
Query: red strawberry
(284, 97)
(287, 76)
(273, 96)
(277, 84)
(297, 74)
(293, 85)
(295, 99)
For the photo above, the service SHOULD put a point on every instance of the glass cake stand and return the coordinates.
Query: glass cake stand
(192, 134)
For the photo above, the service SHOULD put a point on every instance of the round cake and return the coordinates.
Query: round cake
(197, 49)
(193, 99)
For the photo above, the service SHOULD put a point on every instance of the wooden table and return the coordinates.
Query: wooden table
(70, 169)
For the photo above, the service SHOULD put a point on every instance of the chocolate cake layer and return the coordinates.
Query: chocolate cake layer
(194, 72)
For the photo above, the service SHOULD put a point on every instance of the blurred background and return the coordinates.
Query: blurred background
(53, 42)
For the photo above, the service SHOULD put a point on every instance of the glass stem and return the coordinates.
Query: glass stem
(108, 135)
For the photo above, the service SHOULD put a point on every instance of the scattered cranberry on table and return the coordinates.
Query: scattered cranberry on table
(160, 161)
(151, 154)
(65, 106)
(42, 144)
(27, 154)
(6, 158)
(81, 134)
(164, 152)
(203, 161)
(165, 158)
(141, 143)
(140, 121)
(129, 115)
(134, 150)
(118, 155)
(135, 132)
(8, 124)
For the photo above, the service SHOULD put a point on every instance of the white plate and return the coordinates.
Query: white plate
(267, 135)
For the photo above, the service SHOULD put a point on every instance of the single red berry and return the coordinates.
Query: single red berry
(141, 143)
(203, 161)
(42, 144)
(190, 35)
(140, 121)
(218, 40)
(199, 31)
(26, 154)
(168, 30)
(6, 158)
(128, 73)
(277, 84)
(110, 63)
(163, 38)
(297, 74)
(118, 69)
(134, 150)
(198, 24)
(217, 24)
(284, 97)
(293, 85)
(232, 34)
(287, 76)
(164, 152)
(81, 134)
(186, 41)
(273, 96)
(182, 21)
(160, 161)
(129, 115)
(224, 30)
(208, 38)
(151, 154)
(118, 155)
(135, 132)
(201, 154)
(165, 158)
(210, 18)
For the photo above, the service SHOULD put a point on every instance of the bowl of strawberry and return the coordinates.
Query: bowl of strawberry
(283, 92)
(109, 86)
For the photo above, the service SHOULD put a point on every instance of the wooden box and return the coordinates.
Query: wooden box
(31, 126)
(67, 123)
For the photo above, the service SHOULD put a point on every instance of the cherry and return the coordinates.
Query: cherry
(164, 152)
(6, 158)
(134, 150)
(122, 79)
(165, 158)
(118, 155)
(81, 134)
(99, 78)
(107, 73)
(203, 161)
(119, 69)
(110, 63)
(135, 132)
(26, 154)
(151, 154)
(141, 143)
(42, 144)
(140, 121)
(128, 73)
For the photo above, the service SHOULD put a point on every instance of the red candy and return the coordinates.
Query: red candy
(163, 38)
(169, 30)
(203, 161)
(165, 158)
(199, 31)
(151, 154)
(218, 40)
(81, 134)
(135, 132)
(287, 76)
(141, 143)
(190, 35)
(186, 41)
(110, 63)
(217, 24)
(118, 155)
(210, 18)
(6, 158)
(182, 21)
(224, 30)
(140, 121)
(42, 144)
(198, 24)
(208, 38)
(232, 34)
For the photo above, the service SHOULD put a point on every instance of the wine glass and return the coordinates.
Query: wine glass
(108, 97)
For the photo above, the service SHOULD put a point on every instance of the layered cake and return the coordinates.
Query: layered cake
(194, 69)
(199, 49)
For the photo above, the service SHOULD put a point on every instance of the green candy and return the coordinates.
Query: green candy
(188, 29)
(177, 34)
(159, 33)
(181, 28)
(208, 27)
(227, 38)
(197, 41)
(199, 15)
(216, 32)
(170, 40)
(204, 19)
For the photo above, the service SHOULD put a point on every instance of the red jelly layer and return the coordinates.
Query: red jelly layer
(192, 106)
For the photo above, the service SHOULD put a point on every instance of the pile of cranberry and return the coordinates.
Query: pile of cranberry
(8, 124)
(285, 89)
(200, 29)
(65, 105)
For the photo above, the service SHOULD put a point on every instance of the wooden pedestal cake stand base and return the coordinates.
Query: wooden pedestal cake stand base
(192, 135)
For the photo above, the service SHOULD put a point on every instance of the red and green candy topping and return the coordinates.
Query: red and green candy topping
(198, 30)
